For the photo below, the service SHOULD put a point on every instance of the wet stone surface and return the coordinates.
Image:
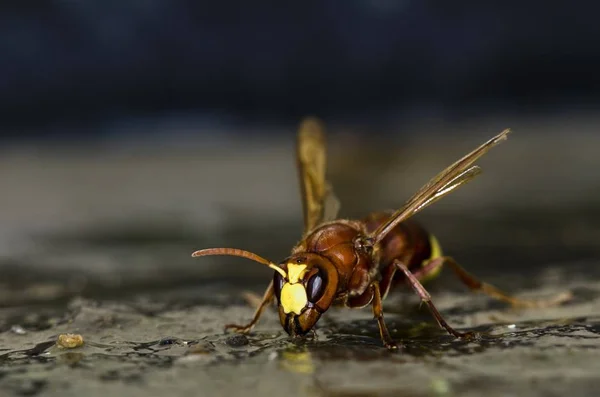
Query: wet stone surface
(131, 348)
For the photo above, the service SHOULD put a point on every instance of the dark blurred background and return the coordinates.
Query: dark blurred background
(73, 64)
(135, 132)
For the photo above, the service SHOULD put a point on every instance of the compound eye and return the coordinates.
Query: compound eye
(278, 282)
(315, 288)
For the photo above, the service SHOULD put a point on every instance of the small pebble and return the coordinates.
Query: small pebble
(17, 329)
(69, 341)
(237, 340)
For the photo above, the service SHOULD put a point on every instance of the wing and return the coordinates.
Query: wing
(446, 181)
(318, 200)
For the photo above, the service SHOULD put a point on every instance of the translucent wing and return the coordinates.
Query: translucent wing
(318, 200)
(331, 205)
(460, 180)
(446, 181)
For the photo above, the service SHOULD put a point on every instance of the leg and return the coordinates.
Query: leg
(479, 286)
(267, 298)
(378, 313)
(252, 298)
(425, 297)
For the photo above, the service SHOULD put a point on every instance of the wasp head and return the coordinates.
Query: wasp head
(305, 286)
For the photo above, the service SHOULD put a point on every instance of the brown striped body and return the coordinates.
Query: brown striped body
(340, 243)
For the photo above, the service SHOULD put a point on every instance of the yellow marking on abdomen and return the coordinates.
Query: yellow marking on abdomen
(436, 252)
(436, 249)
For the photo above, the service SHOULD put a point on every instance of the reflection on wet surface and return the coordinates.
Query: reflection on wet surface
(134, 343)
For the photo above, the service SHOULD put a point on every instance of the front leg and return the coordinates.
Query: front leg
(267, 299)
(425, 297)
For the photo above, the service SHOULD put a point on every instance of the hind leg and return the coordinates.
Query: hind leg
(477, 285)
(426, 298)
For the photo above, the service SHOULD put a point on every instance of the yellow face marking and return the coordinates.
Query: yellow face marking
(293, 298)
(293, 294)
(295, 272)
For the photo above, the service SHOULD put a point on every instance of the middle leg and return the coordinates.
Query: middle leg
(378, 314)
